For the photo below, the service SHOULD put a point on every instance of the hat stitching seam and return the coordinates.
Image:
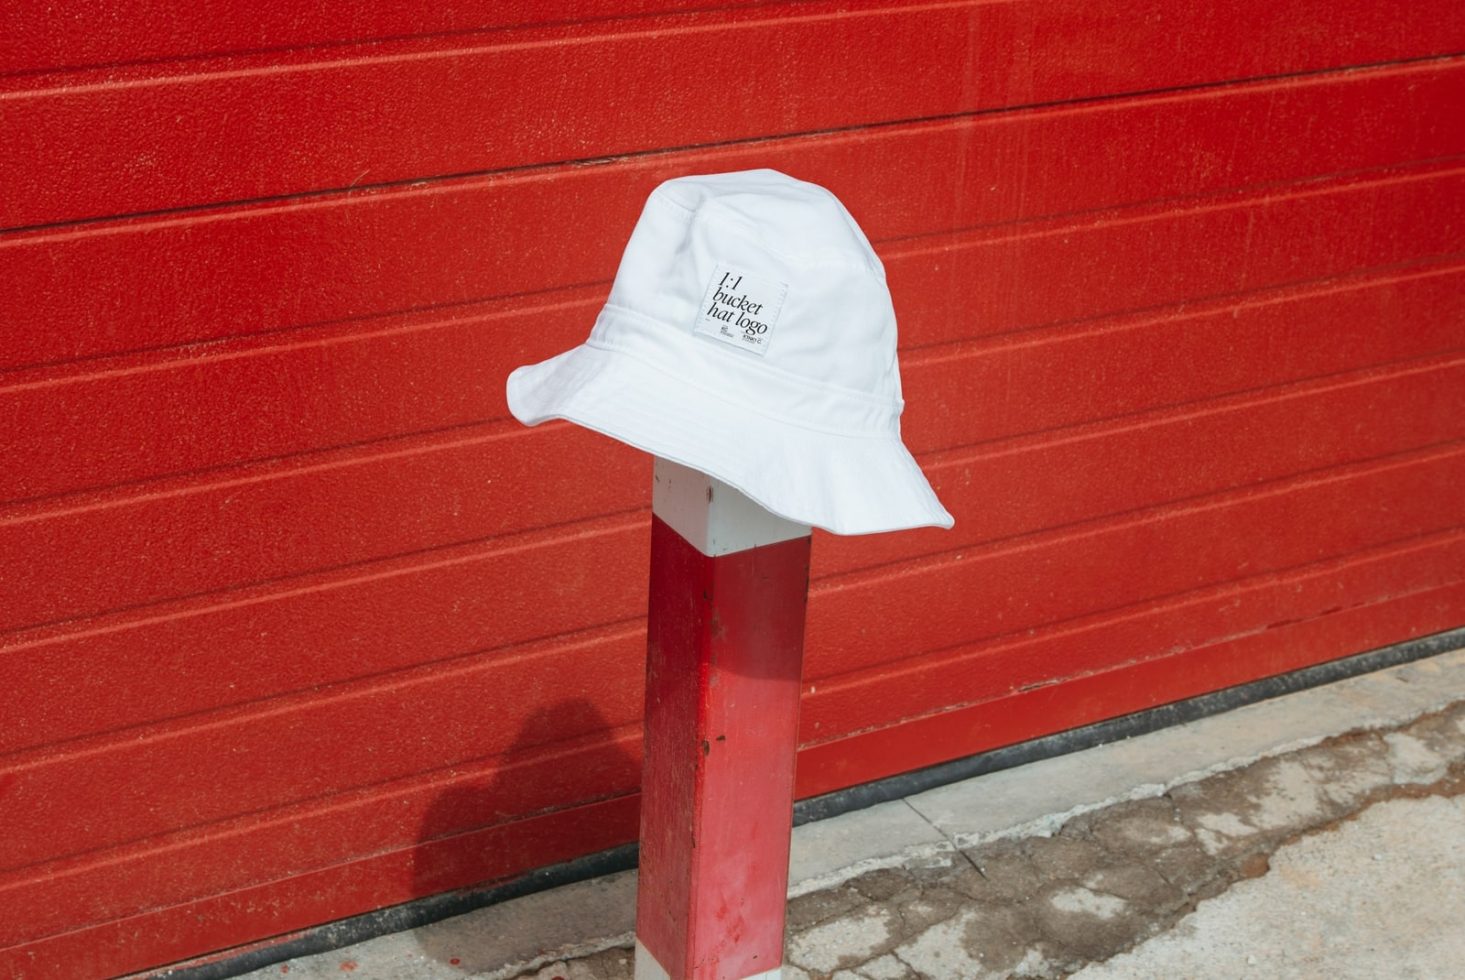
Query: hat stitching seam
(895, 405)
(724, 397)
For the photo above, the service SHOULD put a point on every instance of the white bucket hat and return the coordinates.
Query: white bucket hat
(749, 335)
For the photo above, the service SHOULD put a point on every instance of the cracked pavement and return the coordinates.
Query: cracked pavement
(1107, 880)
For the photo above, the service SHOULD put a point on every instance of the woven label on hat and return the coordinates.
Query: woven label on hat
(740, 309)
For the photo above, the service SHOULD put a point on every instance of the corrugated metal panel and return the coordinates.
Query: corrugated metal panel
(295, 622)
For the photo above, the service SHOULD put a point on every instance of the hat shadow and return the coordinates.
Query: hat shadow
(457, 838)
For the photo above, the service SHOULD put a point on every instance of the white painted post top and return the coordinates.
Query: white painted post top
(712, 516)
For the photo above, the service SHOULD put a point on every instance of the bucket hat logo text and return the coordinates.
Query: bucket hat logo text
(740, 309)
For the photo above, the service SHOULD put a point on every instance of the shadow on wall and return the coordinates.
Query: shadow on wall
(473, 831)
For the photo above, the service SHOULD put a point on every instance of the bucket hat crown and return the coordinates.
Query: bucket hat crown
(750, 334)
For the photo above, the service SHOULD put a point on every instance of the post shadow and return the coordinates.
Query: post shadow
(450, 851)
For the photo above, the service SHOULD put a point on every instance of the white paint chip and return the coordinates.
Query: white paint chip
(1082, 901)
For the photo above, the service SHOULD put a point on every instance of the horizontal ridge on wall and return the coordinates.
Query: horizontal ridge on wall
(140, 31)
(1131, 685)
(1176, 355)
(985, 670)
(228, 532)
(1266, 227)
(1169, 455)
(437, 374)
(1160, 458)
(133, 31)
(256, 760)
(300, 839)
(939, 601)
(349, 256)
(275, 125)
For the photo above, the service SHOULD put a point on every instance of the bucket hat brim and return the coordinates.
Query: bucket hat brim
(844, 483)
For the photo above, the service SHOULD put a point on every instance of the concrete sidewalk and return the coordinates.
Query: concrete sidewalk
(1321, 834)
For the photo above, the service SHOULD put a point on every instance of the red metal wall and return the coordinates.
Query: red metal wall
(296, 623)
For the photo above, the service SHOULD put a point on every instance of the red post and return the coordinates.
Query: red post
(729, 586)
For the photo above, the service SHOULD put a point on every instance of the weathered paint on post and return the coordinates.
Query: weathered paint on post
(729, 585)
